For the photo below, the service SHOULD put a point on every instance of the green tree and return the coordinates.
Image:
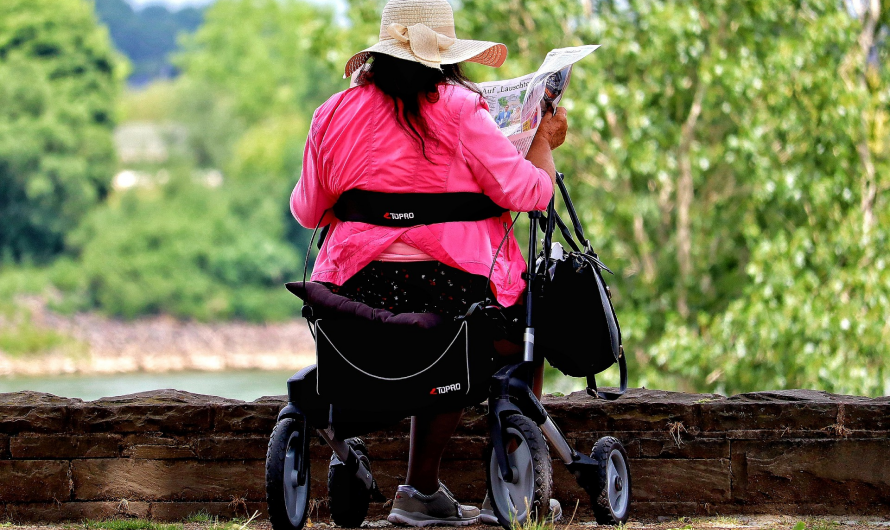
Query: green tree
(261, 68)
(814, 308)
(709, 145)
(187, 250)
(147, 36)
(60, 78)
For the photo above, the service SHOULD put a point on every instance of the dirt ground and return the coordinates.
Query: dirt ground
(758, 522)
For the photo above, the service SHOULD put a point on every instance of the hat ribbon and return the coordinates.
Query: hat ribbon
(425, 42)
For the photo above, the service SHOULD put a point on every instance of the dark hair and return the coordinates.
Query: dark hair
(405, 82)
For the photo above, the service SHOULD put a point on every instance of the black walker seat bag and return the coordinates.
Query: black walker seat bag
(575, 323)
(371, 359)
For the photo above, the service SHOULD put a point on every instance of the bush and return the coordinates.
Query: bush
(60, 77)
(189, 251)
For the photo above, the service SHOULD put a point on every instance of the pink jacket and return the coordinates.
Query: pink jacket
(355, 142)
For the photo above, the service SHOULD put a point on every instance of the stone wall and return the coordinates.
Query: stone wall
(168, 454)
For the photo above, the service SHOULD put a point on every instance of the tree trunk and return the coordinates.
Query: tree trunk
(870, 16)
(684, 198)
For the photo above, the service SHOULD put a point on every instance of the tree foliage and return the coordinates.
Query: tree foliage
(147, 36)
(188, 251)
(728, 157)
(59, 81)
(729, 160)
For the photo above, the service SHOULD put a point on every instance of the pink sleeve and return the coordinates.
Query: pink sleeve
(504, 175)
(309, 199)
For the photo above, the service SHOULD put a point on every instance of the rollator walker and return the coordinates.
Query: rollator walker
(519, 481)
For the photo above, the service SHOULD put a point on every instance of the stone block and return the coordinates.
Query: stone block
(34, 481)
(167, 411)
(64, 446)
(677, 480)
(850, 472)
(157, 446)
(465, 448)
(246, 417)
(34, 412)
(60, 512)
(232, 447)
(775, 411)
(864, 414)
(167, 480)
(639, 409)
(694, 448)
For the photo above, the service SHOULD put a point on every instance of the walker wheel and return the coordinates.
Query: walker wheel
(611, 499)
(529, 493)
(287, 474)
(348, 496)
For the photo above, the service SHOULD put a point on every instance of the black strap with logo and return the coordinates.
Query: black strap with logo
(411, 209)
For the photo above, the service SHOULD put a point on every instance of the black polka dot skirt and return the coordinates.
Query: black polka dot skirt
(414, 287)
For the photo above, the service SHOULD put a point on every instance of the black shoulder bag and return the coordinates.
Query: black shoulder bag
(575, 324)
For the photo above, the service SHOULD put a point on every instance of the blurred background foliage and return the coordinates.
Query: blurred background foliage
(731, 160)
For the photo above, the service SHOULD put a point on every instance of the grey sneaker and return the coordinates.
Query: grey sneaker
(486, 514)
(413, 508)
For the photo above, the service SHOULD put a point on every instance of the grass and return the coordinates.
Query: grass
(20, 337)
(547, 524)
(129, 524)
(201, 517)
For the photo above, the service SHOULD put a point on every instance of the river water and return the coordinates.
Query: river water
(247, 385)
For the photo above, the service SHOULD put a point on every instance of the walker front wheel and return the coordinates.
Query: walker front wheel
(529, 492)
(611, 502)
(287, 474)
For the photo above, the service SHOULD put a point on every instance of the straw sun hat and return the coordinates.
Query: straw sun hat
(423, 31)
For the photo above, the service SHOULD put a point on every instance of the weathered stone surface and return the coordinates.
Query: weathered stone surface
(232, 447)
(34, 412)
(33, 481)
(790, 451)
(158, 446)
(852, 472)
(64, 446)
(864, 414)
(246, 417)
(168, 411)
(637, 410)
(683, 447)
(167, 480)
(673, 480)
(58, 512)
(773, 411)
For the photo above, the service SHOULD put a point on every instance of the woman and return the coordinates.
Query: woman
(415, 124)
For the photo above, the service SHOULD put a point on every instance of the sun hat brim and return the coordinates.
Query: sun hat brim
(476, 51)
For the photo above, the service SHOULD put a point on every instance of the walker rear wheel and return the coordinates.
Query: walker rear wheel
(529, 493)
(611, 500)
(287, 475)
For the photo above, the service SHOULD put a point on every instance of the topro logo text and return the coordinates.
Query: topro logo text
(445, 389)
(407, 215)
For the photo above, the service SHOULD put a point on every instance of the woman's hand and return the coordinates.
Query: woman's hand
(553, 127)
(551, 134)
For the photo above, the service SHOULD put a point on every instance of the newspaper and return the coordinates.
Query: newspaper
(518, 104)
